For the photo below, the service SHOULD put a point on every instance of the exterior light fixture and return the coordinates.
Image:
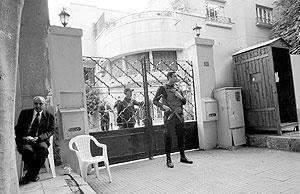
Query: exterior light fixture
(64, 17)
(197, 30)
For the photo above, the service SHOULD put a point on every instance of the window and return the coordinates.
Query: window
(100, 25)
(133, 63)
(213, 11)
(216, 12)
(164, 60)
(264, 16)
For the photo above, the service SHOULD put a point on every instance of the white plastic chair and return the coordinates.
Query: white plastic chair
(83, 152)
(49, 160)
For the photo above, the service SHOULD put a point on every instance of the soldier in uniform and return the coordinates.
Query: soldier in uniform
(171, 100)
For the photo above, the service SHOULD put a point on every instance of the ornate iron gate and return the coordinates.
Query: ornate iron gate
(105, 83)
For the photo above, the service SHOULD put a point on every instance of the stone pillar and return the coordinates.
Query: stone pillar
(200, 52)
(67, 78)
(10, 19)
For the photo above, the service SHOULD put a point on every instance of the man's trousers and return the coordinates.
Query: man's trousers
(172, 125)
(34, 156)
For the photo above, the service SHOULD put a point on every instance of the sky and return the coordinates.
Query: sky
(55, 6)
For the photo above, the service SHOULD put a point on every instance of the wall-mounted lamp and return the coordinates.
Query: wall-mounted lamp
(64, 17)
(197, 30)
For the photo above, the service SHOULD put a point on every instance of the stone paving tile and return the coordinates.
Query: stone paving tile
(61, 190)
(243, 170)
(294, 190)
(39, 191)
(59, 182)
(57, 185)
(87, 189)
(31, 188)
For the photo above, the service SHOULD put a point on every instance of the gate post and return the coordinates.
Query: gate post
(200, 52)
(66, 68)
(148, 119)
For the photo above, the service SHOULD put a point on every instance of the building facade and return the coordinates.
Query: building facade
(161, 33)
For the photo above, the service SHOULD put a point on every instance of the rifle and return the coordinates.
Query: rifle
(173, 111)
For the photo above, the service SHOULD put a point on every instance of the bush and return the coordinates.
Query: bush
(92, 100)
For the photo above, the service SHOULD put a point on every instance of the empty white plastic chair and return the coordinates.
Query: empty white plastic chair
(49, 160)
(84, 156)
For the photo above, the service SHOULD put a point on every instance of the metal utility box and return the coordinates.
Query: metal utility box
(231, 127)
(264, 72)
(73, 114)
(209, 109)
(72, 122)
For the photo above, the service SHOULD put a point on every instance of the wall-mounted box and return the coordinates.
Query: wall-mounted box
(71, 100)
(72, 122)
(73, 113)
(209, 109)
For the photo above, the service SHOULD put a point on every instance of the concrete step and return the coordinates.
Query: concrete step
(288, 141)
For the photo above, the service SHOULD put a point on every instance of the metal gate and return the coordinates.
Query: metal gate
(105, 83)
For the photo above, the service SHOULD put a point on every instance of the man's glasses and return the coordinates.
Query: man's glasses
(38, 103)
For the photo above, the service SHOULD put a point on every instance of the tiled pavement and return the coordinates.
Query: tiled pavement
(61, 184)
(242, 170)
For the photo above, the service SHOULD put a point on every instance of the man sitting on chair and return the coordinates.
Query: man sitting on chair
(34, 128)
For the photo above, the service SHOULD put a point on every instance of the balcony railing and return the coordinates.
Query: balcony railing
(219, 19)
(143, 15)
(264, 22)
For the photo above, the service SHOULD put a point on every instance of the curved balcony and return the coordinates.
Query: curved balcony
(140, 32)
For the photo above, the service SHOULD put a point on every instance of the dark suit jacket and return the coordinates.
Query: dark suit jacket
(46, 126)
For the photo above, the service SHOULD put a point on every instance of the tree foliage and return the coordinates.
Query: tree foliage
(287, 24)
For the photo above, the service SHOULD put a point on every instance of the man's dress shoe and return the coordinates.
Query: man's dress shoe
(24, 181)
(185, 160)
(170, 164)
(35, 179)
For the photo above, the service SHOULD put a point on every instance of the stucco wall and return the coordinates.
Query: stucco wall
(155, 33)
(135, 34)
(163, 34)
(85, 17)
(144, 34)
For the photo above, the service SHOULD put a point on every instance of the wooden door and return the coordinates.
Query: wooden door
(255, 74)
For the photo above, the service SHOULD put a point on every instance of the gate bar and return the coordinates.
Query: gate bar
(148, 119)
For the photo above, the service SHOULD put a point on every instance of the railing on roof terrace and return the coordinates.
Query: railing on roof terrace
(142, 15)
(261, 20)
(219, 19)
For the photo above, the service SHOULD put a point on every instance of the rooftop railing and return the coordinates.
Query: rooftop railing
(264, 21)
(219, 19)
(142, 15)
